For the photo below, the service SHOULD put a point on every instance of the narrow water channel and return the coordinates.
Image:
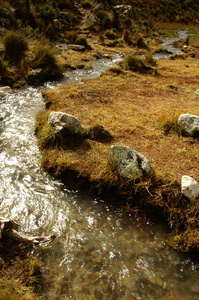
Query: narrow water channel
(167, 43)
(100, 250)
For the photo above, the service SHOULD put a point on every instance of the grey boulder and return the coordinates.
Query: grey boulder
(64, 122)
(129, 163)
(189, 123)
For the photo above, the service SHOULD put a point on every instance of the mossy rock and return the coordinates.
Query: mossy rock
(129, 163)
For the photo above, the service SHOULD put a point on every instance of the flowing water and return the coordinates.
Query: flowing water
(100, 250)
(168, 44)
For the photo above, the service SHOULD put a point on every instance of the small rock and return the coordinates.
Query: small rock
(2, 31)
(190, 124)
(4, 91)
(164, 285)
(97, 54)
(127, 10)
(57, 24)
(197, 92)
(62, 121)
(159, 281)
(98, 7)
(189, 187)
(77, 47)
(91, 19)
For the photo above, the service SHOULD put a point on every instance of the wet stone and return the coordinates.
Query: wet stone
(159, 281)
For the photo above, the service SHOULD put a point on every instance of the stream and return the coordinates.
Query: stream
(168, 44)
(100, 250)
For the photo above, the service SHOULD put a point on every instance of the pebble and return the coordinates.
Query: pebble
(159, 281)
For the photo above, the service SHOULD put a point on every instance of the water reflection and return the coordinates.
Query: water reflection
(99, 250)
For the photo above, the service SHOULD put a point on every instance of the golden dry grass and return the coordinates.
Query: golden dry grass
(19, 273)
(132, 106)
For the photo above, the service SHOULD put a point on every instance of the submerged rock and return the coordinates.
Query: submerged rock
(129, 163)
(63, 122)
(189, 123)
(4, 91)
(189, 187)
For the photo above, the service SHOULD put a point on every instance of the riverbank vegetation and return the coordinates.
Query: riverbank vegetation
(20, 275)
(140, 111)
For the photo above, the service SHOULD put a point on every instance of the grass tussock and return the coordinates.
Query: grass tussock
(137, 64)
(45, 58)
(168, 122)
(71, 37)
(47, 12)
(82, 40)
(16, 45)
(4, 5)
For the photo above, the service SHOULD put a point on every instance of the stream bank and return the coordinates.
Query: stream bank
(100, 249)
(108, 101)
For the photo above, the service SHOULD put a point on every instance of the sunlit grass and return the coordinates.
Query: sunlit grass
(137, 110)
(18, 277)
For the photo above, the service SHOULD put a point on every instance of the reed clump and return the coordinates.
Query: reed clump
(137, 64)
